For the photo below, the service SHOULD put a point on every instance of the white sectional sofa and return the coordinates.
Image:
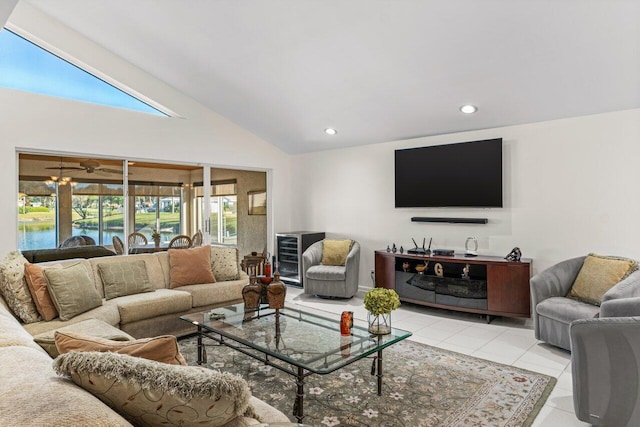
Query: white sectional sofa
(32, 394)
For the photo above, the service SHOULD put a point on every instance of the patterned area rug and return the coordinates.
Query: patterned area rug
(423, 386)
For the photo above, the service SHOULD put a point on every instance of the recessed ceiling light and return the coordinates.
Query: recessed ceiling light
(468, 109)
(330, 131)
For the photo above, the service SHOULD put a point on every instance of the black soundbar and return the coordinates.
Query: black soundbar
(450, 220)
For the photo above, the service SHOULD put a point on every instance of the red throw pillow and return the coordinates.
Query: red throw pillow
(37, 284)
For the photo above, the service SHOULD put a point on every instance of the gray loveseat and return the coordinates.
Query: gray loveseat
(553, 312)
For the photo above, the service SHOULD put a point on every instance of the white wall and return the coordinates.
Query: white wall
(570, 187)
(35, 122)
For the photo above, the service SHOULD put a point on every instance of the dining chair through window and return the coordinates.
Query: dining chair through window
(137, 239)
(118, 245)
(196, 240)
(180, 242)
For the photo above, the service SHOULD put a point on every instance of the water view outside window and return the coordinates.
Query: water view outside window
(27, 67)
(97, 211)
(37, 206)
(159, 207)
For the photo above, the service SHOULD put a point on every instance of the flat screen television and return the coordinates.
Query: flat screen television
(467, 174)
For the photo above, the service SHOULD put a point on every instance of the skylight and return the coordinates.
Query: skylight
(27, 67)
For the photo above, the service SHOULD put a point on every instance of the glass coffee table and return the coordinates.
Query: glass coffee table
(292, 340)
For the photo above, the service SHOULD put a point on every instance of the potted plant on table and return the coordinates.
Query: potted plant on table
(380, 302)
(155, 235)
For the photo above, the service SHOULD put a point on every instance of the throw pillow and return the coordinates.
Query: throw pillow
(161, 349)
(72, 290)
(14, 288)
(124, 278)
(598, 274)
(224, 263)
(37, 283)
(335, 252)
(149, 393)
(190, 267)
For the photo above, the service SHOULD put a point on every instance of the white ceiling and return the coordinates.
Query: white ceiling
(377, 70)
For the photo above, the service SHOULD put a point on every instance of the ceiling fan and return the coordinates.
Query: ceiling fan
(89, 166)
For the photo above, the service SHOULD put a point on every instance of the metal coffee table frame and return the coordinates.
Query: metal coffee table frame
(228, 327)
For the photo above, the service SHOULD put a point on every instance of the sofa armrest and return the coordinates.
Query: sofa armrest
(312, 256)
(605, 354)
(555, 281)
(352, 267)
(623, 307)
(627, 288)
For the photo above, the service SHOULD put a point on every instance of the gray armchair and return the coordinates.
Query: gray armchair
(330, 280)
(605, 364)
(553, 312)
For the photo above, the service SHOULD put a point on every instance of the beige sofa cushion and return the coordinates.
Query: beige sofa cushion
(152, 304)
(32, 394)
(151, 393)
(190, 267)
(94, 327)
(12, 333)
(224, 263)
(38, 286)
(161, 349)
(14, 288)
(108, 313)
(124, 278)
(155, 272)
(215, 293)
(72, 290)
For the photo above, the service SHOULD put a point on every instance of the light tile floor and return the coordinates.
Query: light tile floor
(504, 340)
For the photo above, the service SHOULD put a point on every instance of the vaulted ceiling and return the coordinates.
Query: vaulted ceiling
(376, 70)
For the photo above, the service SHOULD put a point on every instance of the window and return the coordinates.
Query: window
(97, 211)
(64, 196)
(37, 207)
(157, 206)
(27, 67)
(224, 211)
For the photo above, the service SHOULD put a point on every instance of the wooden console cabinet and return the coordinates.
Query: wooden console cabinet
(486, 285)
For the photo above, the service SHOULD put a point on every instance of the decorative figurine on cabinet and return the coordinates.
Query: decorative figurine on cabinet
(465, 271)
(438, 269)
(514, 255)
(394, 249)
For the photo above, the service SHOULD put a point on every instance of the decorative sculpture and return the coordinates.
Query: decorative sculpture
(465, 271)
(251, 294)
(514, 255)
(276, 292)
(438, 269)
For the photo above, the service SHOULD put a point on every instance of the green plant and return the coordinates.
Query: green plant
(381, 301)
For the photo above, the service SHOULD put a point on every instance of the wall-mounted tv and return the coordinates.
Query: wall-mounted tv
(467, 174)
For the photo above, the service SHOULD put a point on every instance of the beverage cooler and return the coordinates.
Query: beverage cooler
(289, 249)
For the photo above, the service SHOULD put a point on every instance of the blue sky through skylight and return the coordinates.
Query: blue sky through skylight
(25, 66)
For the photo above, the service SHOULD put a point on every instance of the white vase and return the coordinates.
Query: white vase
(379, 324)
